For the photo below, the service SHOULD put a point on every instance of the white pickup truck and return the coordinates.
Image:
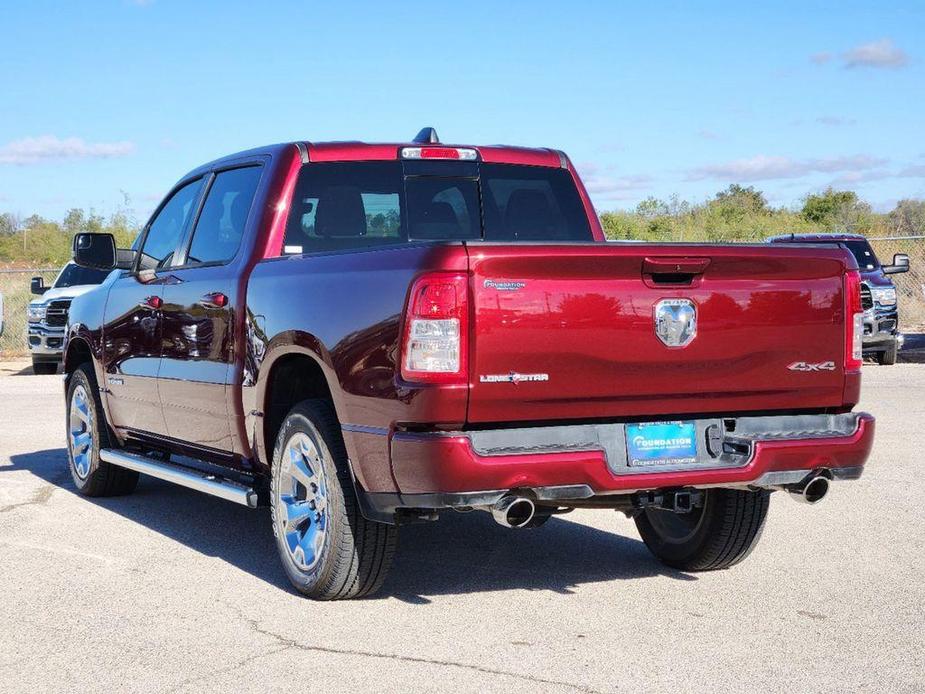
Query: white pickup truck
(47, 315)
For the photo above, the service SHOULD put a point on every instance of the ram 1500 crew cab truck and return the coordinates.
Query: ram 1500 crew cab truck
(359, 335)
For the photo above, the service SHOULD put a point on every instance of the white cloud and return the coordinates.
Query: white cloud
(49, 148)
(856, 177)
(820, 58)
(879, 54)
(708, 134)
(606, 187)
(915, 171)
(766, 168)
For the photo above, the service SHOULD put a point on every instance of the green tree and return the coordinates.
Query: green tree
(907, 218)
(9, 224)
(652, 207)
(838, 210)
(737, 202)
(74, 220)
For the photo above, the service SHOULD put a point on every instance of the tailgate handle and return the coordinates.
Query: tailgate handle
(674, 270)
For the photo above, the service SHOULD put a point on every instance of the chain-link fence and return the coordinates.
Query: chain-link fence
(910, 286)
(15, 288)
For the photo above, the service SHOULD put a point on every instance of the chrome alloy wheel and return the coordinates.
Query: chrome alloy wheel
(80, 430)
(301, 501)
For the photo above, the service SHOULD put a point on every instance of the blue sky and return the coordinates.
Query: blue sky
(105, 98)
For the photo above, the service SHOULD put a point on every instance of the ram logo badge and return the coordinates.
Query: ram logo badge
(809, 366)
(675, 321)
(512, 377)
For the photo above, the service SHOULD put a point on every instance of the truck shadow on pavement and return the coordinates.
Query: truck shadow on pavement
(461, 553)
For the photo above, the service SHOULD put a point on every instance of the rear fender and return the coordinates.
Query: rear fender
(256, 406)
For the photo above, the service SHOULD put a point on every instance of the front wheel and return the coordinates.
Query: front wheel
(888, 356)
(328, 549)
(87, 433)
(717, 535)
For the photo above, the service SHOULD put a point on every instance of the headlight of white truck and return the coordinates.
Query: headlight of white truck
(885, 296)
(36, 313)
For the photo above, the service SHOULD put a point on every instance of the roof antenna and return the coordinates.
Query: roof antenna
(427, 136)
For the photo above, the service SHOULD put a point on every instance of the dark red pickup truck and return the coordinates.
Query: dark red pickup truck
(360, 335)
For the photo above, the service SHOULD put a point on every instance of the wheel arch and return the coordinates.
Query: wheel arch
(80, 350)
(290, 373)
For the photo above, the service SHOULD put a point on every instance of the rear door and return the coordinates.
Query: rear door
(132, 318)
(198, 315)
(585, 331)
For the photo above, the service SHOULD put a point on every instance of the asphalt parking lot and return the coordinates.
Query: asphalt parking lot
(170, 590)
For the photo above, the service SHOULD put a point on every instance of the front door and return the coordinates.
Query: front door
(132, 325)
(132, 354)
(198, 314)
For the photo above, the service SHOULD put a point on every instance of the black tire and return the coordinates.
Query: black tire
(350, 555)
(92, 476)
(44, 368)
(888, 356)
(717, 535)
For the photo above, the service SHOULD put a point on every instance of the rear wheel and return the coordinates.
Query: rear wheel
(328, 549)
(717, 535)
(888, 356)
(87, 433)
(44, 368)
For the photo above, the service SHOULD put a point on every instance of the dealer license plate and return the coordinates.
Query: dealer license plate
(661, 443)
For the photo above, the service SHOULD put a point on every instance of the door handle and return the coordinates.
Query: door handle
(154, 302)
(672, 266)
(214, 300)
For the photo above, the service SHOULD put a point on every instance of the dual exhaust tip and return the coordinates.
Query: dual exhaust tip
(513, 511)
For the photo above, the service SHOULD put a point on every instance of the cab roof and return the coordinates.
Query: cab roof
(497, 154)
(354, 150)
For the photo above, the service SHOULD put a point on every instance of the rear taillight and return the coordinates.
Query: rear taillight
(435, 348)
(854, 321)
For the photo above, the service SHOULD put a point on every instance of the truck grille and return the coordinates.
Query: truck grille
(56, 313)
(867, 301)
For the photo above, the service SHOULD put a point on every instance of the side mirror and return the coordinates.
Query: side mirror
(97, 251)
(38, 285)
(900, 264)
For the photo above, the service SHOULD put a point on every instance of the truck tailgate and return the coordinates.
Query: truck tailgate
(569, 331)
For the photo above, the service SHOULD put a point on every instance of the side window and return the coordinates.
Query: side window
(167, 228)
(220, 227)
(345, 205)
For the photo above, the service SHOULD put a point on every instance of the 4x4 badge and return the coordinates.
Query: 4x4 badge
(808, 366)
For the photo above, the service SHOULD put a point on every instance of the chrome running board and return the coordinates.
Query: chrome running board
(183, 476)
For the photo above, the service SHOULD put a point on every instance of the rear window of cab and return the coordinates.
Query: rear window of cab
(350, 205)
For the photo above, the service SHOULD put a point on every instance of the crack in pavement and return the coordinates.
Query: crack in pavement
(289, 643)
(39, 498)
(225, 670)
